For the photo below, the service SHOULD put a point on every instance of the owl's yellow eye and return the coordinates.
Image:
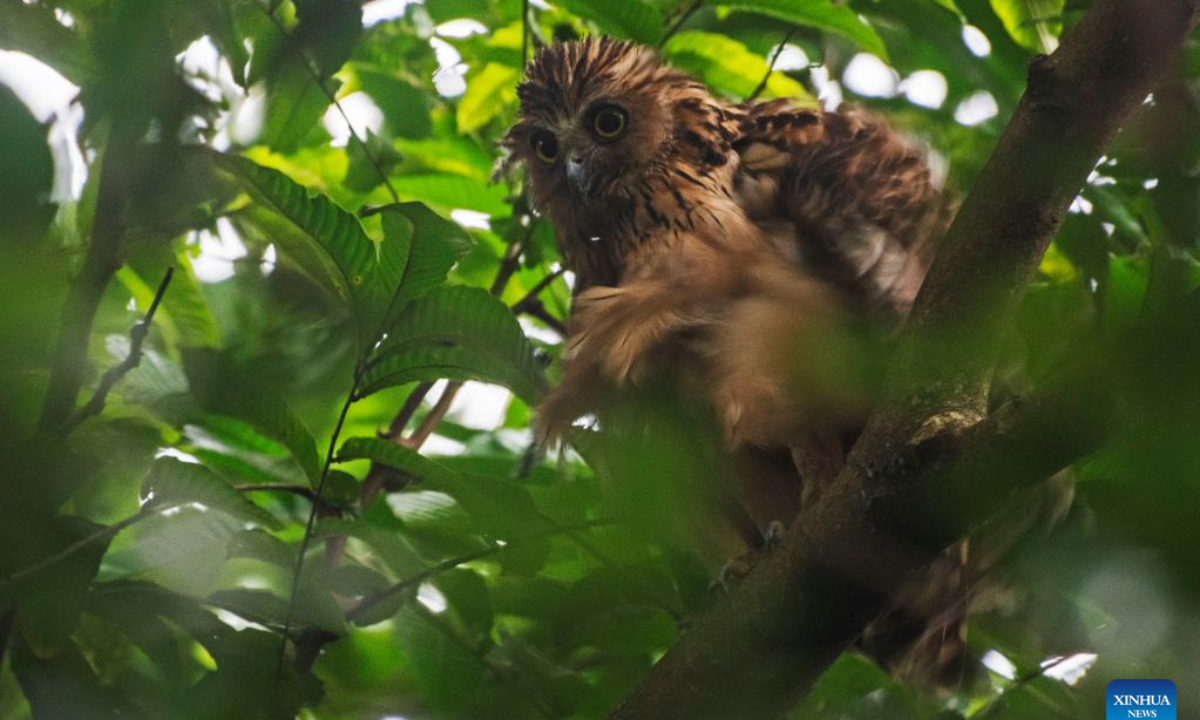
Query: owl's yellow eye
(610, 122)
(546, 147)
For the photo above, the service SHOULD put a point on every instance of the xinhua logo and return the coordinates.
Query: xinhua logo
(1141, 699)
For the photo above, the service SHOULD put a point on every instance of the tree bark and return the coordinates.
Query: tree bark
(929, 464)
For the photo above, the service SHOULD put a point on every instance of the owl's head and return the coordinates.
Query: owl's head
(599, 116)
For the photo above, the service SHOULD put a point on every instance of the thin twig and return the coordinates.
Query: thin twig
(316, 76)
(436, 413)
(538, 289)
(312, 519)
(771, 65)
(989, 708)
(101, 534)
(683, 17)
(408, 410)
(137, 336)
(524, 33)
(536, 309)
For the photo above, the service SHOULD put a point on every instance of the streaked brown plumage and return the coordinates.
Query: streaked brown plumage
(722, 252)
(739, 229)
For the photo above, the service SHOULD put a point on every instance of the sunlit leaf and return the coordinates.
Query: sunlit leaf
(819, 14)
(172, 482)
(727, 65)
(326, 241)
(1034, 24)
(454, 192)
(441, 331)
(405, 107)
(296, 102)
(427, 246)
(631, 19)
(498, 506)
(487, 95)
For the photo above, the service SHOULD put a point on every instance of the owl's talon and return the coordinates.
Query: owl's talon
(773, 536)
(739, 566)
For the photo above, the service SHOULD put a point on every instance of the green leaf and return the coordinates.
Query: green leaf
(1034, 24)
(237, 449)
(369, 167)
(326, 241)
(726, 64)
(328, 31)
(263, 546)
(392, 548)
(460, 330)
(396, 456)
(50, 600)
(184, 552)
(428, 245)
(819, 14)
(35, 30)
(454, 192)
(295, 105)
(457, 362)
(488, 92)
(497, 507)
(405, 107)
(352, 580)
(951, 6)
(246, 668)
(631, 19)
(62, 686)
(172, 482)
(225, 389)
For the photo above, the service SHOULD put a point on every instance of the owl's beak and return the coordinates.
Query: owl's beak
(578, 176)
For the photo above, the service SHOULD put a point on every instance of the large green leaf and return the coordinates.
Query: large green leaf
(820, 14)
(454, 192)
(62, 686)
(460, 333)
(497, 507)
(487, 94)
(50, 600)
(632, 19)
(326, 241)
(1034, 24)
(447, 673)
(295, 105)
(172, 482)
(398, 457)
(399, 556)
(427, 245)
(405, 107)
(728, 65)
(328, 32)
(224, 388)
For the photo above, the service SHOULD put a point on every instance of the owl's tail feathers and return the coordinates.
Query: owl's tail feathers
(922, 637)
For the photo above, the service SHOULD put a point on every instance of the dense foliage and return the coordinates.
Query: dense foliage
(317, 174)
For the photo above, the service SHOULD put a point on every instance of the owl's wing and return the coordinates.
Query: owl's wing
(859, 200)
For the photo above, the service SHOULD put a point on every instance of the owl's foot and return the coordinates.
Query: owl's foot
(740, 565)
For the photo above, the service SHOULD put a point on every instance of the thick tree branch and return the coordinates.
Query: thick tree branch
(105, 254)
(928, 467)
